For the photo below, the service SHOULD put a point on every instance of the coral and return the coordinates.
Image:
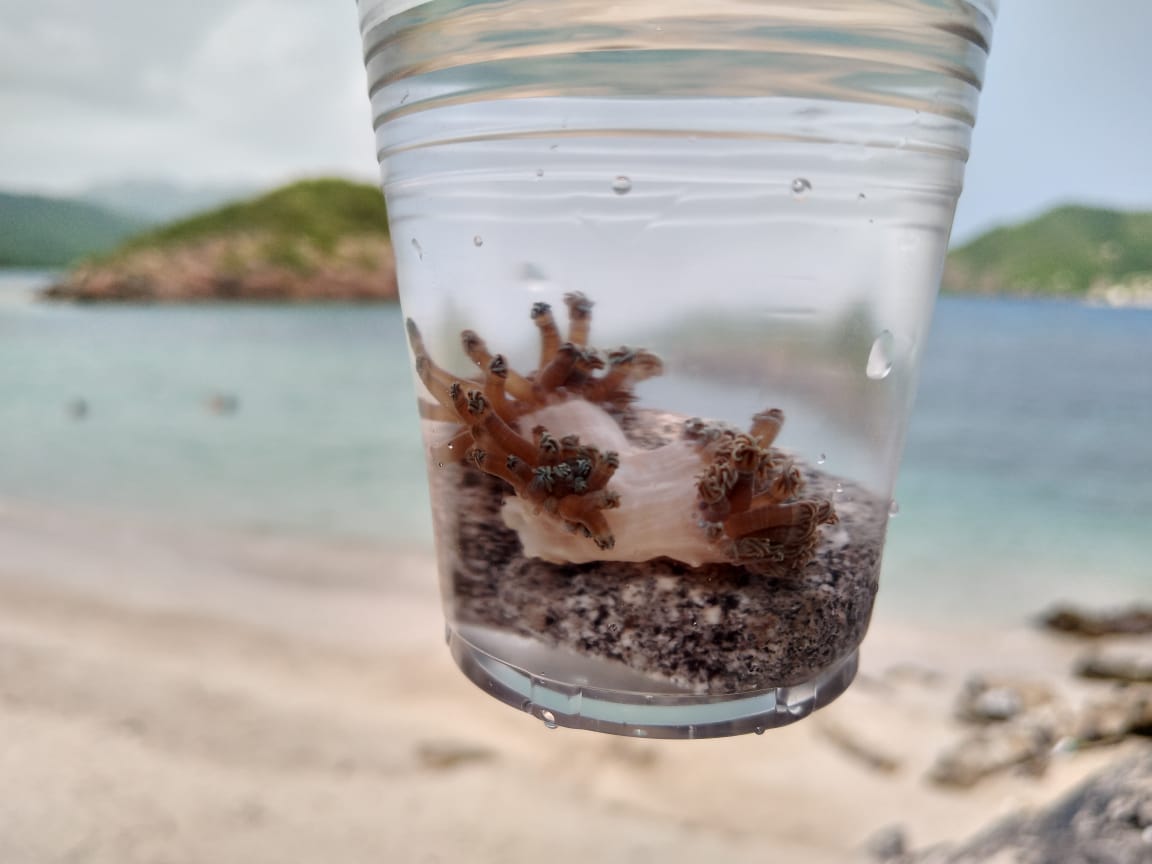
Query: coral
(711, 494)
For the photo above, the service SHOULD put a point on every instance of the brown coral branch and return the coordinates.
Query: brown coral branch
(785, 484)
(797, 513)
(437, 381)
(766, 426)
(553, 376)
(549, 334)
(491, 433)
(603, 466)
(436, 411)
(455, 449)
(495, 388)
(477, 350)
(586, 511)
(579, 317)
(499, 465)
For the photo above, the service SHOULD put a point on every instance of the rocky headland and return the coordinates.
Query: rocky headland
(316, 240)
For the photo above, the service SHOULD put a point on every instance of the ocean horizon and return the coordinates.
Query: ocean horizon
(1027, 474)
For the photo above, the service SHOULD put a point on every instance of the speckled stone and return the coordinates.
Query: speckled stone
(718, 628)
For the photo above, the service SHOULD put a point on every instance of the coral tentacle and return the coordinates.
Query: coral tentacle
(579, 317)
(549, 333)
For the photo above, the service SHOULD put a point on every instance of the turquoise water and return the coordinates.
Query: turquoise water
(323, 438)
(1028, 470)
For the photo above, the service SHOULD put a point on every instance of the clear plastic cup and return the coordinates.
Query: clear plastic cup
(668, 270)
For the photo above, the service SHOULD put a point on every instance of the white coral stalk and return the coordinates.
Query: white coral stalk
(658, 514)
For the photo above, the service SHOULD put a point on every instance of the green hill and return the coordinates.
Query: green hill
(318, 212)
(1066, 253)
(324, 239)
(37, 231)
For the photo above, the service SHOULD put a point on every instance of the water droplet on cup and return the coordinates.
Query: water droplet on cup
(622, 185)
(759, 730)
(821, 459)
(549, 718)
(419, 249)
(894, 508)
(539, 173)
(839, 490)
(861, 197)
(880, 357)
(477, 241)
(801, 187)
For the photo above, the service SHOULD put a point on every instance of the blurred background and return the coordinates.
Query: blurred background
(218, 617)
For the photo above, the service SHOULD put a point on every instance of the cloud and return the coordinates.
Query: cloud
(105, 53)
(212, 90)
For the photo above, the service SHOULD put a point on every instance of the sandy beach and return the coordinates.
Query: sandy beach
(170, 695)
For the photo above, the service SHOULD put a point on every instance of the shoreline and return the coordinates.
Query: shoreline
(241, 695)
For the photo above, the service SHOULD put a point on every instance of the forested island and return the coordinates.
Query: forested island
(1072, 252)
(314, 240)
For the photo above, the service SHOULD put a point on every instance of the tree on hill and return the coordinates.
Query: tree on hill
(38, 231)
(323, 239)
(1065, 252)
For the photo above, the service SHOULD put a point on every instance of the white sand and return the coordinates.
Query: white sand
(185, 696)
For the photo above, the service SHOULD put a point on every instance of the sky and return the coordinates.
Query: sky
(255, 92)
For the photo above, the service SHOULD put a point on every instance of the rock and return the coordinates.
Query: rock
(1131, 664)
(445, 755)
(887, 844)
(994, 700)
(249, 267)
(1109, 718)
(1103, 821)
(853, 743)
(1080, 622)
(1024, 743)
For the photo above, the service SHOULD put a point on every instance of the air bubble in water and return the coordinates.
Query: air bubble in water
(880, 357)
(622, 185)
(821, 459)
(539, 173)
(839, 490)
(549, 718)
(477, 241)
(801, 187)
(894, 507)
(419, 249)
